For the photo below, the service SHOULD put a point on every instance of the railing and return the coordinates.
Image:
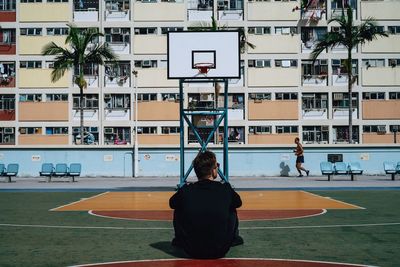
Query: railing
(315, 80)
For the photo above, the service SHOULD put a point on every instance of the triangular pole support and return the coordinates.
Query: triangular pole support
(220, 116)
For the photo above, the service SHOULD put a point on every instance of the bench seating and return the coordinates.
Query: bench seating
(74, 170)
(340, 168)
(47, 171)
(60, 170)
(391, 168)
(10, 171)
(355, 169)
(327, 169)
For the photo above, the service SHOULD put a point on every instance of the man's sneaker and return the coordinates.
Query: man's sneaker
(238, 240)
(308, 172)
(301, 175)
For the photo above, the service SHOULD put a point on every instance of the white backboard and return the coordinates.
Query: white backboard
(221, 48)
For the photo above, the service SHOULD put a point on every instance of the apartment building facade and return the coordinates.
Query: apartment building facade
(281, 94)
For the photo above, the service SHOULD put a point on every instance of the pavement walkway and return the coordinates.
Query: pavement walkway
(170, 183)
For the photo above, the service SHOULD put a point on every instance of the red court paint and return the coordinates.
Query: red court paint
(244, 215)
(222, 263)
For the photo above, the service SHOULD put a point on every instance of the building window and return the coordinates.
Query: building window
(285, 96)
(147, 130)
(368, 63)
(259, 63)
(285, 63)
(394, 62)
(341, 100)
(145, 31)
(147, 97)
(373, 95)
(31, 31)
(7, 102)
(56, 97)
(318, 68)
(80, 5)
(394, 95)
(394, 128)
(170, 97)
(339, 67)
(259, 30)
(88, 70)
(374, 128)
(259, 96)
(56, 130)
(30, 130)
(117, 35)
(7, 136)
(7, 5)
(165, 30)
(57, 1)
(117, 101)
(260, 129)
(285, 30)
(145, 63)
(170, 130)
(204, 100)
(310, 36)
(57, 31)
(7, 36)
(315, 134)
(90, 136)
(394, 29)
(30, 64)
(30, 98)
(287, 129)
(341, 134)
(31, 1)
(117, 135)
(90, 101)
(315, 101)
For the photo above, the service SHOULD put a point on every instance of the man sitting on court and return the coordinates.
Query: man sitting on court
(205, 217)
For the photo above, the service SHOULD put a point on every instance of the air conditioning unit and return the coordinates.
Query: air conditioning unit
(325, 128)
(205, 97)
(115, 30)
(146, 64)
(108, 130)
(337, 96)
(8, 130)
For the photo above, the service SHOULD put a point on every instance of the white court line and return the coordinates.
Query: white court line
(248, 259)
(334, 200)
(170, 228)
(83, 199)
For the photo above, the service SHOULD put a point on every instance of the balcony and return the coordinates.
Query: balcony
(44, 12)
(158, 111)
(389, 44)
(86, 10)
(39, 111)
(274, 44)
(41, 78)
(381, 109)
(314, 13)
(380, 10)
(7, 41)
(33, 45)
(160, 11)
(279, 77)
(150, 44)
(277, 110)
(7, 74)
(88, 115)
(273, 139)
(380, 76)
(272, 11)
(155, 77)
(159, 139)
(342, 79)
(117, 11)
(315, 113)
(39, 139)
(230, 15)
(315, 80)
(343, 113)
(120, 48)
(117, 114)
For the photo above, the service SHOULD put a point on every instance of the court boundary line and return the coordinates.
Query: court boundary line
(249, 259)
(171, 228)
(333, 199)
(82, 199)
(90, 212)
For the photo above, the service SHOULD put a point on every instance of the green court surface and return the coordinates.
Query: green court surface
(31, 235)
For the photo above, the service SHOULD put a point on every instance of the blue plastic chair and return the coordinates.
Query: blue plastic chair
(341, 168)
(2, 169)
(74, 170)
(327, 169)
(355, 168)
(390, 168)
(47, 170)
(12, 170)
(61, 170)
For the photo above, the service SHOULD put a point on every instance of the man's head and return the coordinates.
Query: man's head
(205, 165)
(296, 140)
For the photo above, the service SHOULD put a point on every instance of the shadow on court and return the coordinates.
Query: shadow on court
(165, 246)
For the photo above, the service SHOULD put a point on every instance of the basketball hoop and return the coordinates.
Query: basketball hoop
(204, 67)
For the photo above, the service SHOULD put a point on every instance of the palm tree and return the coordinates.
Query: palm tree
(78, 55)
(349, 36)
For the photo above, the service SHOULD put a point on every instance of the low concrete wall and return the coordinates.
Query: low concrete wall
(163, 162)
